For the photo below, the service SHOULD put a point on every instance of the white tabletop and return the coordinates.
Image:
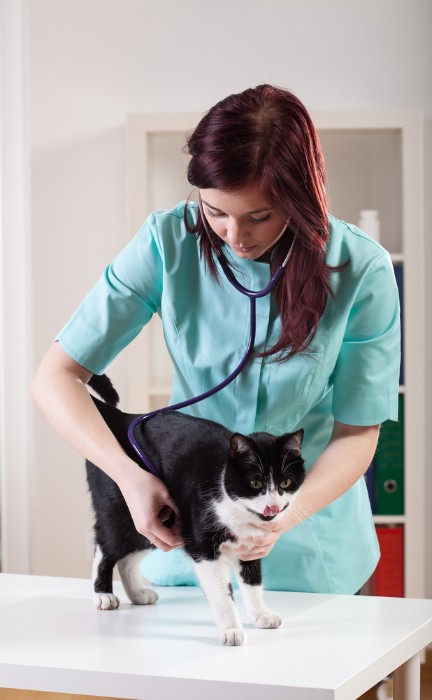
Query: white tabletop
(330, 647)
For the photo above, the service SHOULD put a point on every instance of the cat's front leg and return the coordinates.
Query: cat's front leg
(250, 583)
(214, 576)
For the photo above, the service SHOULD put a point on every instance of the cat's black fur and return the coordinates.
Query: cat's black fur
(202, 464)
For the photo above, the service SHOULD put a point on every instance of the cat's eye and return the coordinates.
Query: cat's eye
(256, 484)
(285, 484)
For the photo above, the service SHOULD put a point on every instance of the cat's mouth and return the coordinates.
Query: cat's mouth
(268, 517)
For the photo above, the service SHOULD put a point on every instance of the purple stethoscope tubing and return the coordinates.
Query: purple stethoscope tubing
(253, 296)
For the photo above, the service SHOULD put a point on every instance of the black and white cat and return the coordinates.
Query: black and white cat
(221, 483)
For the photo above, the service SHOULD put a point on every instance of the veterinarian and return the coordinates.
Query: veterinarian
(327, 350)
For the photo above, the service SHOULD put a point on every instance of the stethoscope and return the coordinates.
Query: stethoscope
(253, 296)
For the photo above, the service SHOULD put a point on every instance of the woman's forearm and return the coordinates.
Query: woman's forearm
(343, 462)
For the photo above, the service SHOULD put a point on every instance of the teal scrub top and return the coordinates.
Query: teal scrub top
(350, 373)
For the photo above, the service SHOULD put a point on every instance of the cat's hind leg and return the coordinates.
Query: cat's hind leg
(103, 566)
(132, 580)
(250, 583)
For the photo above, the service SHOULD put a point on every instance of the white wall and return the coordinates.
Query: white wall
(15, 284)
(94, 61)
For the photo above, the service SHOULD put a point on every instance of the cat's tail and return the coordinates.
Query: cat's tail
(102, 385)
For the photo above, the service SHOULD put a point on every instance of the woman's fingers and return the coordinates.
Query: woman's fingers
(252, 548)
(151, 506)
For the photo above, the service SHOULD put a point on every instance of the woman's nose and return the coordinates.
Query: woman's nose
(236, 233)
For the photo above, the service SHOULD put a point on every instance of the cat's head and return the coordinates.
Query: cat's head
(264, 471)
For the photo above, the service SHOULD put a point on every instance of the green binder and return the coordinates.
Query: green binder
(389, 466)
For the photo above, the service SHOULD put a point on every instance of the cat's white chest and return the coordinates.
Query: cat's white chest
(238, 519)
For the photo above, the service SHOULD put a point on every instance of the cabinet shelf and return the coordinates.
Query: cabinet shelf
(389, 519)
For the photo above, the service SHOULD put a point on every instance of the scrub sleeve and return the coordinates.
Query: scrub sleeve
(350, 374)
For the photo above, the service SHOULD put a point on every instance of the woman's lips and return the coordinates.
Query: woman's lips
(244, 249)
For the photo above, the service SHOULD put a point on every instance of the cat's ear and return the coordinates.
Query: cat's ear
(240, 446)
(292, 442)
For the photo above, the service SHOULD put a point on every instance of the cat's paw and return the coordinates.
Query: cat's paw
(146, 596)
(106, 601)
(232, 637)
(268, 620)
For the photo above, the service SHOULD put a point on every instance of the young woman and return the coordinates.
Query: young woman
(327, 340)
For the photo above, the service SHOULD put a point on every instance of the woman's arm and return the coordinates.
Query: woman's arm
(345, 459)
(60, 392)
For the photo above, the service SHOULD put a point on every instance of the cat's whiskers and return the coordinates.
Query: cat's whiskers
(296, 514)
(299, 512)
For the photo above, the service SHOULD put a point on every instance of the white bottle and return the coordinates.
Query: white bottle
(369, 223)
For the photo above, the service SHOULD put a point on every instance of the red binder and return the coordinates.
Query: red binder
(388, 579)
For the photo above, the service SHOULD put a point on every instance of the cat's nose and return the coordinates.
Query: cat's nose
(271, 510)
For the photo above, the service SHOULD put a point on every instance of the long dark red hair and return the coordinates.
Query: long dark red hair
(265, 136)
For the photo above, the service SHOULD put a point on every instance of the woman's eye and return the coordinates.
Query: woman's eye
(214, 214)
(256, 484)
(285, 484)
(260, 221)
(220, 215)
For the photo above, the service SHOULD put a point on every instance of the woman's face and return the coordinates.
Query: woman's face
(243, 220)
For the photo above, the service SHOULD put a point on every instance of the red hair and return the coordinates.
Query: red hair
(265, 136)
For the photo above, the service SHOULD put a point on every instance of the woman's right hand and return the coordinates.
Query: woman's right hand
(150, 505)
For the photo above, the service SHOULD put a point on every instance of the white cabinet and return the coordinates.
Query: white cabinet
(374, 161)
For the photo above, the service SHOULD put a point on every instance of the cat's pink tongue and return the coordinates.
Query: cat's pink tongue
(271, 510)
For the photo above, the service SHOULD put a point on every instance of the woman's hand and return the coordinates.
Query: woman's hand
(150, 506)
